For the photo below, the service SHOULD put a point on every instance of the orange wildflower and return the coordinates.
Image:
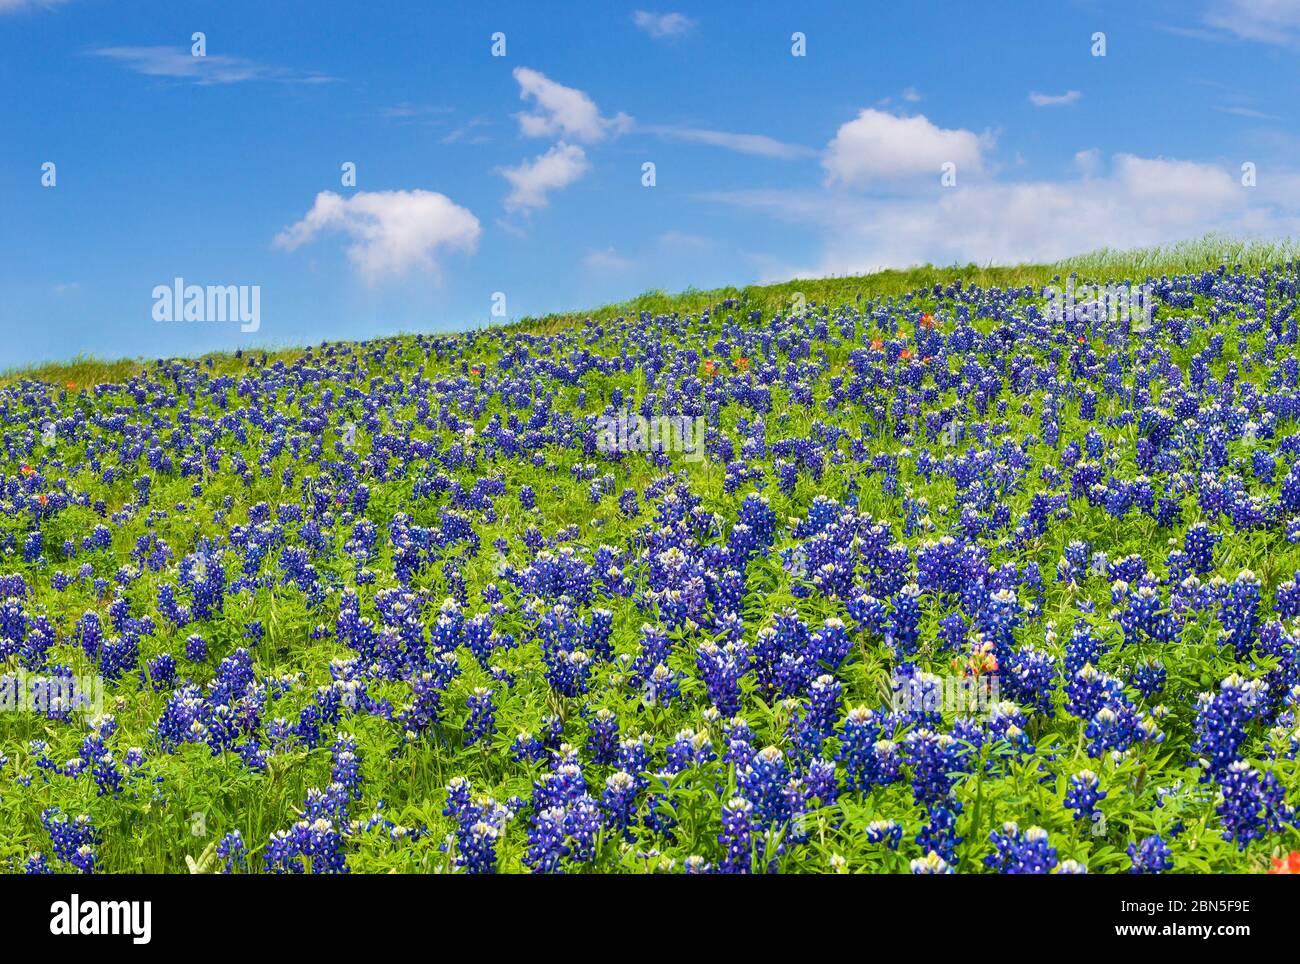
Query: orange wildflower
(877, 344)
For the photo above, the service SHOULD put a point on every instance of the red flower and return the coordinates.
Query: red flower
(1290, 864)
(27, 470)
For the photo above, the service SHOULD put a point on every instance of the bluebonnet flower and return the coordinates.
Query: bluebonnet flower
(932, 759)
(1221, 721)
(74, 840)
(1151, 856)
(1251, 804)
(737, 837)
(603, 738)
(869, 759)
(932, 863)
(938, 835)
(885, 832)
(481, 724)
(1021, 853)
(1083, 795)
(619, 802)
(232, 850)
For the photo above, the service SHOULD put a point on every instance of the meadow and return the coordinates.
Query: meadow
(964, 579)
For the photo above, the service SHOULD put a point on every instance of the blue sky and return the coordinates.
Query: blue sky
(522, 174)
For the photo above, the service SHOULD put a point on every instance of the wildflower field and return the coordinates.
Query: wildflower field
(955, 578)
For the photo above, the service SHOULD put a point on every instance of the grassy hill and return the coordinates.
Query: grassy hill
(1104, 264)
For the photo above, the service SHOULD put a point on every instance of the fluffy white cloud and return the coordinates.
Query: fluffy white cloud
(1140, 201)
(661, 25)
(759, 145)
(531, 181)
(563, 111)
(391, 231)
(878, 146)
(1054, 100)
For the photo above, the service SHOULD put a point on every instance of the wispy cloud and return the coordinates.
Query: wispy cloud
(1266, 21)
(1054, 100)
(178, 63)
(532, 181)
(759, 145)
(392, 232)
(1250, 112)
(417, 113)
(468, 132)
(14, 6)
(663, 25)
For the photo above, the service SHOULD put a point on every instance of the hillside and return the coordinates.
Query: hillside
(1102, 265)
(927, 572)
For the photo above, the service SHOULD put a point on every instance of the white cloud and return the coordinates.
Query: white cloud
(662, 25)
(877, 146)
(1250, 112)
(391, 231)
(1140, 201)
(563, 111)
(178, 63)
(1268, 21)
(911, 95)
(531, 181)
(418, 113)
(1054, 100)
(759, 145)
